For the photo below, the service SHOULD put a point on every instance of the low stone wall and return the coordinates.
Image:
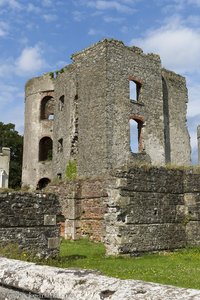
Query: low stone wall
(153, 209)
(133, 211)
(29, 220)
(32, 282)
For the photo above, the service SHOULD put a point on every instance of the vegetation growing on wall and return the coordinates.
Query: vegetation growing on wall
(9, 137)
(71, 170)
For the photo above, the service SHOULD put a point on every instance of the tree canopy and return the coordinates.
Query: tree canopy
(9, 137)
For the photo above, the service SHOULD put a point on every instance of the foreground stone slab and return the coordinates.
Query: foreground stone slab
(55, 283)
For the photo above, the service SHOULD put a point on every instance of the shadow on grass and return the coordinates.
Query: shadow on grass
(72, 257)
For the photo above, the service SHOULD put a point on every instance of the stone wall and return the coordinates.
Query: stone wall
(84, 204)
(36, 128)
(178, 137)
(93, 108)
(153, 209)
(30, 221)
(138, 210)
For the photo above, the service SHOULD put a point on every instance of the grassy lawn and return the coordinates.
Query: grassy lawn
(180, 268)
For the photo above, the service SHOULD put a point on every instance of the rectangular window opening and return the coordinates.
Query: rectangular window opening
(134, 89)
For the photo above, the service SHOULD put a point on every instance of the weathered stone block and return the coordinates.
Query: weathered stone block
(53, 243)
(49, 220)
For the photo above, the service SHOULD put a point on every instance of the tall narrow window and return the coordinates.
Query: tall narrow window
(47, 108)
(45, 149)
(61, 102)
(166, 122)
(136, 142)
(134, 89)
(60, 145)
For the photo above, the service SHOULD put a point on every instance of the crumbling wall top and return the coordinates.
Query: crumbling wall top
(39, 84)
(106, 42)
(178, 79)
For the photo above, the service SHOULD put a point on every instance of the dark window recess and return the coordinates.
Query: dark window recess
(60, 145)
(42, 183)
(60, 218)
(45, 149)
(47, 108)
(166, 122)
(61, 102)
(59, 175)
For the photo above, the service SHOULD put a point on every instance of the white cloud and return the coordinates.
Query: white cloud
(14, 4)
(109, 19)
(93, 31)
(3, 29)
(78, 15)
(193, 138)
(178, 46)
(32, 8)
(6, 93)
(195, 2)
(15, 115)
(49, 17)
(110, 5)
(194, 100)
(46, 2)
(30, 60)
(177, 5)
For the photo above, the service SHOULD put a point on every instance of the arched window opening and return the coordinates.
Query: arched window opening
(47, 108)
(45, 149)
(136, 142)
(61, 102)
(134, 89)
(60, 145)
(42, 183)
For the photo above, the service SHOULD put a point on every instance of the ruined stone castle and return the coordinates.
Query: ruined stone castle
(82, 117)
(84, 113)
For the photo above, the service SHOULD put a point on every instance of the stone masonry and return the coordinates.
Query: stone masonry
(137, 210)
(30, 220)
(83, 113)
(153, 209)
(79, 122)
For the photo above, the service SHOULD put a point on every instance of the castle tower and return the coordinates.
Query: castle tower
(38, 135)
(107, 90)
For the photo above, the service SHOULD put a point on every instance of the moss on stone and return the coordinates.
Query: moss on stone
(71, 170)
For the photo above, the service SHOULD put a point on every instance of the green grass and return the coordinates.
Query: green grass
(180, 268)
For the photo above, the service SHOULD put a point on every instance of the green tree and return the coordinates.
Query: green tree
(9, 137)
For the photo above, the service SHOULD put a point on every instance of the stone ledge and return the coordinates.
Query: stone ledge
(55, 283)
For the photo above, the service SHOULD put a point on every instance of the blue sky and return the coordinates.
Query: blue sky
(39, 36)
